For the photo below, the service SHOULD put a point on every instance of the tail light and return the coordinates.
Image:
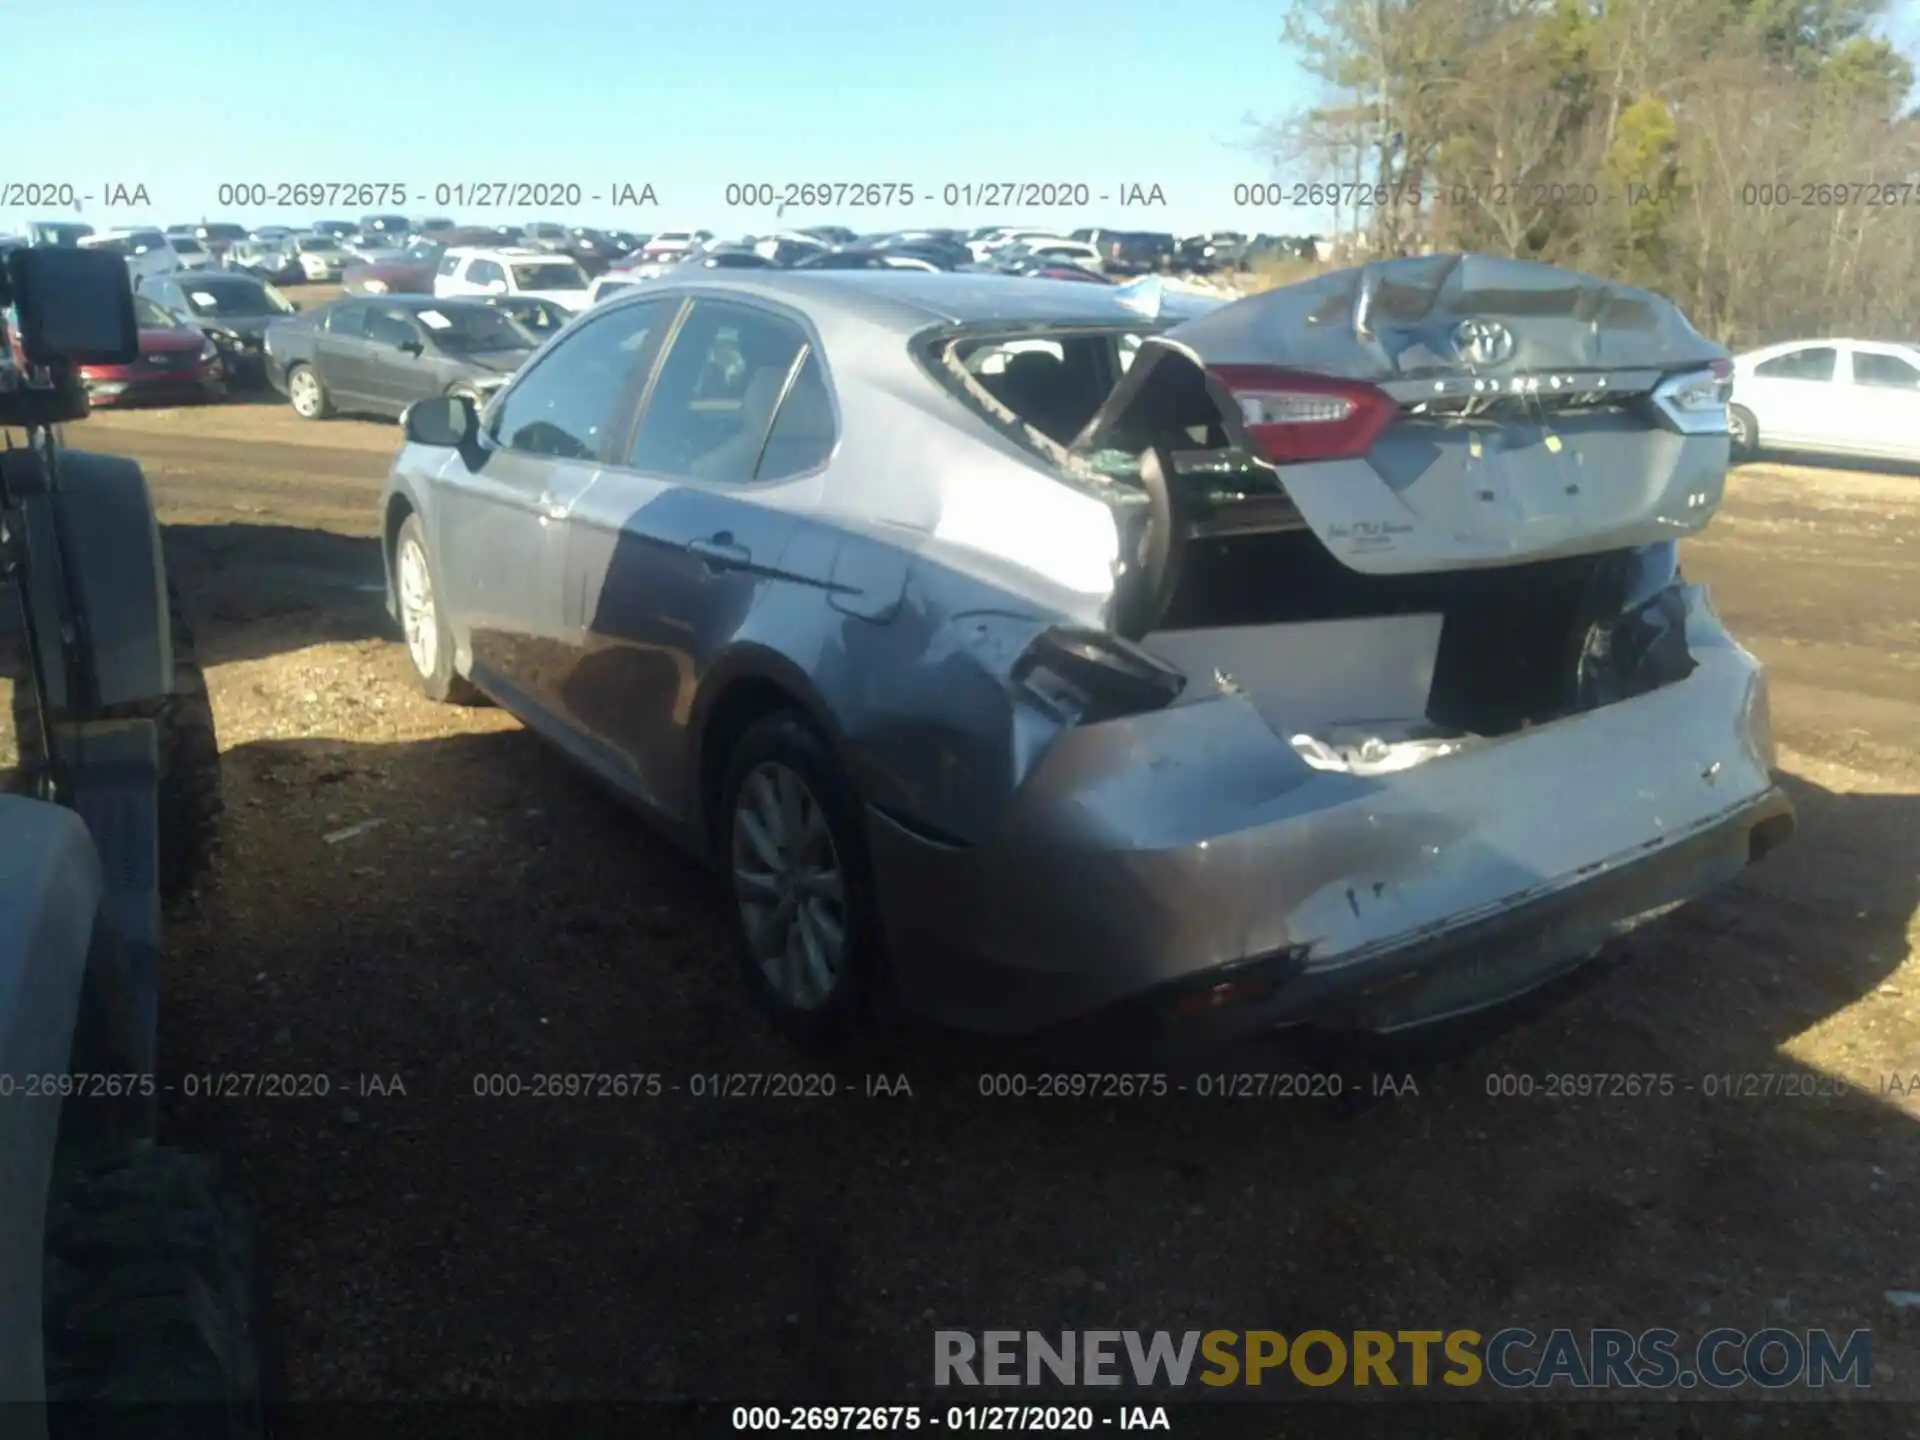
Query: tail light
(1085, 676)
(1292, 418)
(1695, 402)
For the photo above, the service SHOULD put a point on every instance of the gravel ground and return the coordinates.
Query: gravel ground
(412, 896)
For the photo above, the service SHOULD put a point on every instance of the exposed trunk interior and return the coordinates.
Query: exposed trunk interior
(1510, 639)
(1217, 547)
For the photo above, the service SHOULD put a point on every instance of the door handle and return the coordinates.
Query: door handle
(720, 552)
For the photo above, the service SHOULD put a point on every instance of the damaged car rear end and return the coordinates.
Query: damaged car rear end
(1366, 694)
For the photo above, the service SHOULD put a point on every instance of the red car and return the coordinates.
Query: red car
(177, 363)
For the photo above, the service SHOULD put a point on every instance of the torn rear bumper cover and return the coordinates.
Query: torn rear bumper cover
(1179, 873)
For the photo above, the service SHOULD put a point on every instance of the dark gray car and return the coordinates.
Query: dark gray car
(231, 309)
(377, 355)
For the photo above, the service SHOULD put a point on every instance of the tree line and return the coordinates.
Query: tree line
(1758, 161)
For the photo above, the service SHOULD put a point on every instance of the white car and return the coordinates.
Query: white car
(606, 285)
(465, 270)
(1828, 397)
(1005, 235)
(673, 244)
(147, 252)
(1055, 247)
(193, 255)
(320, 257)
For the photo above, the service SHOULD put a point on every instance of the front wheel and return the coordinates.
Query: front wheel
(307, 394)
(804, 917)
(422, 620)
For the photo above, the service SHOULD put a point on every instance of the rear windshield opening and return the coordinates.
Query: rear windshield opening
(1056, 384)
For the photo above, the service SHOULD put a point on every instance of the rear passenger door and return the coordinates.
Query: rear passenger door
(668, 554)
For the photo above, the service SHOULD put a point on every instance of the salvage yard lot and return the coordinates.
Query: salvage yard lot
(425, 893)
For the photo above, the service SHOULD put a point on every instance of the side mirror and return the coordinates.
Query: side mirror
(411, 347)
(446, 422)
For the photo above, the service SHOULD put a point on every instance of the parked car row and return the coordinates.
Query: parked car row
(377, 354)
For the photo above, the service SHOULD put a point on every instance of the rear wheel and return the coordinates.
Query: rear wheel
(307, 394)
(1743, 432)
(422, 621)
(806, 925)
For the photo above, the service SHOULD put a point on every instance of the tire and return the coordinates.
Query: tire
(155, 1304)
(848, 1015)
(190, 800)
(303, 381)
(1744, 432)
(423, 624)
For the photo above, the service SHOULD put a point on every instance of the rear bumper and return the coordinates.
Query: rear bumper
(1183, 875)
(1485, 964)
(175, 389)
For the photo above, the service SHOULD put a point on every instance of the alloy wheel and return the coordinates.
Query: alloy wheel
(790, 886)
(304, 390)
(418, 617)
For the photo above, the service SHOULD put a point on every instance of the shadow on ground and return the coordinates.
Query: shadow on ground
(499, 921)
(233, 576)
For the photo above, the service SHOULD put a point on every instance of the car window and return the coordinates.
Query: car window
(1811, 363)
(448, 264)
(391, 326)
(549, 275)
(484, 272)
(348, 319)
(149, 314)
(803, 431)
(564, 405)
(991, 359)
(713, 402)
(1874, 367)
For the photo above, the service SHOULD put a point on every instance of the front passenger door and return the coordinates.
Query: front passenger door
(395, 372)
(501, 528)
(1886, 401)
(1792, 397)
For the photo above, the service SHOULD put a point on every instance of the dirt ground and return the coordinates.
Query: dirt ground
(425, 895)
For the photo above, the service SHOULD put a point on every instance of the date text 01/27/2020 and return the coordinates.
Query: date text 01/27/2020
(971, 194)
(1061, 1419)
(463, 194)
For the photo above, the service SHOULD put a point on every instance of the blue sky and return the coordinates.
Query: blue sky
(689, 98)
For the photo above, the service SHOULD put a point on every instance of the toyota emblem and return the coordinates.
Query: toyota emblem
(1483, 342)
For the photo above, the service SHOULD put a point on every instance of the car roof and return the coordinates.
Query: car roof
(420, 302)
(507, 252)
(908, 301)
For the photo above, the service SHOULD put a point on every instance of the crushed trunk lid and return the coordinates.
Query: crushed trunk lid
(1431, 413)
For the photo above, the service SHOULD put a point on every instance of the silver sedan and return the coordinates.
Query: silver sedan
(1038, 661)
